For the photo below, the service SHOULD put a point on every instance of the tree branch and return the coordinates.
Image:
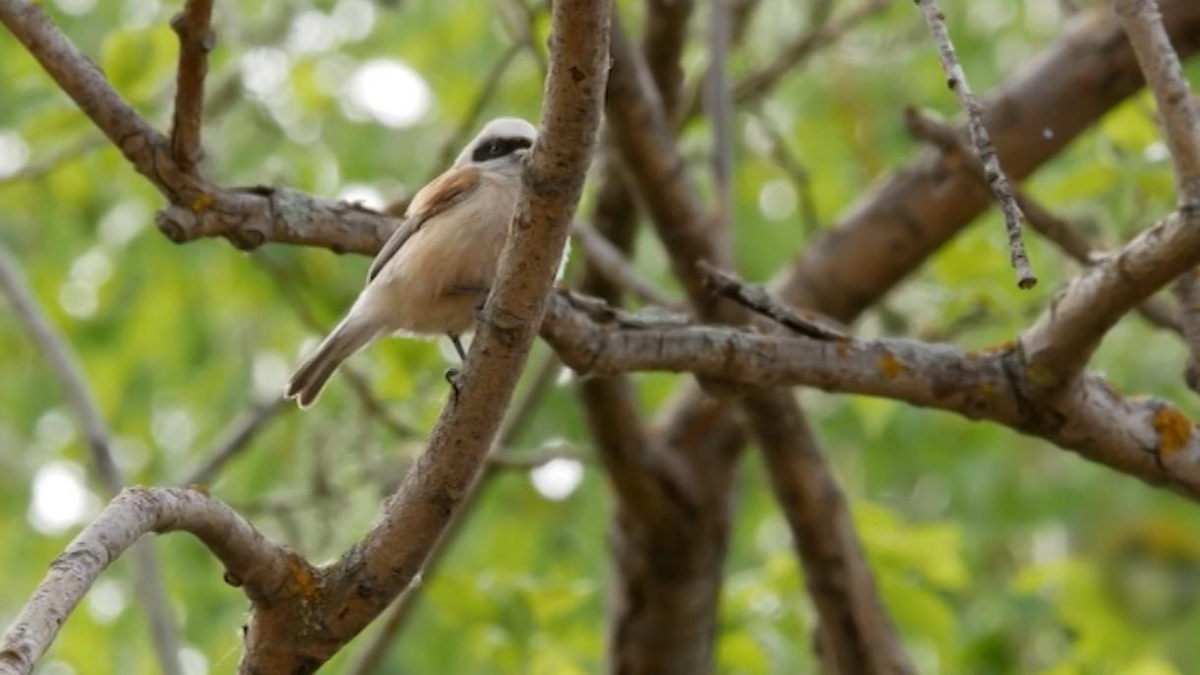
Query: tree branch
(1050, 226)
(758, 300)
(148, 581)
(1141, 436)
(264, 569)
(994, 174)
(1059, 344)
(1176, 108)
(346, 596)
(233, 440)
(196, 40)
(607, 261)
(643, 135)
(374, 571)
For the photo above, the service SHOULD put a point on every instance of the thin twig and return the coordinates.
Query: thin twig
(358, 383)
(196, 40)
(487, 90)
(233, 440)
(789, 163)
(817, 36)
(147, 580)
(996, 180)
(607, 260)
(1059, 231)
(758, 300)
(718, 105)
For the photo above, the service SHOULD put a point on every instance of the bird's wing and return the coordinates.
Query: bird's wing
(440, 194)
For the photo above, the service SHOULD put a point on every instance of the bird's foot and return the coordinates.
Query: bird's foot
(451, 376)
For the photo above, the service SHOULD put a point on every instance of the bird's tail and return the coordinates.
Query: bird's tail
(348, 337)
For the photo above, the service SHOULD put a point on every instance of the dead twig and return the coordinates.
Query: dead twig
(956, 79)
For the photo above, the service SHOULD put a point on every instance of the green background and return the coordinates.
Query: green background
(995, 553)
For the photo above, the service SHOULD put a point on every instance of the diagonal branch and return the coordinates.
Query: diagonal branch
(1143, 24)
(1041, 219)
(148, 580)
(956, 79)
(196, 40)
(607, 261)
(233, 440)
(260, 566)
(758, 300)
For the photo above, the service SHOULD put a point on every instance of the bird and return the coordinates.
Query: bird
(437, 267)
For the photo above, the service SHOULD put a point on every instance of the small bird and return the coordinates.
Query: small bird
(438, 266)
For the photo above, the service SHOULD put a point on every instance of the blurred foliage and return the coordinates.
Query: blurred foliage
(995, 553)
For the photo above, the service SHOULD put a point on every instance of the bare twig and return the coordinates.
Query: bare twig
(233, 440)
(196, 40)
(822, 34)
(790, 164)
(485, 93)
(359, 386)
(1181, 125)
(147, 575)
(758, 300)
(607, 260)
(1060, 232)
(997, 181)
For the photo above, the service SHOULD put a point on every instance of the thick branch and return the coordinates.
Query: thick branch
(1176, 108)
(644, 137)
(1141, 436)
(376, 569)
(1059, 344)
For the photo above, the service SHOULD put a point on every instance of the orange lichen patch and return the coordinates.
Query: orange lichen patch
(201, 202)
(1174, 430)
(302, 580)
(889, 364)
(197, 487)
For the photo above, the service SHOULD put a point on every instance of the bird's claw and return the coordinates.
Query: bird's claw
(451, 376)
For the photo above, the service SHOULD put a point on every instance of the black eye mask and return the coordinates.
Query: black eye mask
(493, 148)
